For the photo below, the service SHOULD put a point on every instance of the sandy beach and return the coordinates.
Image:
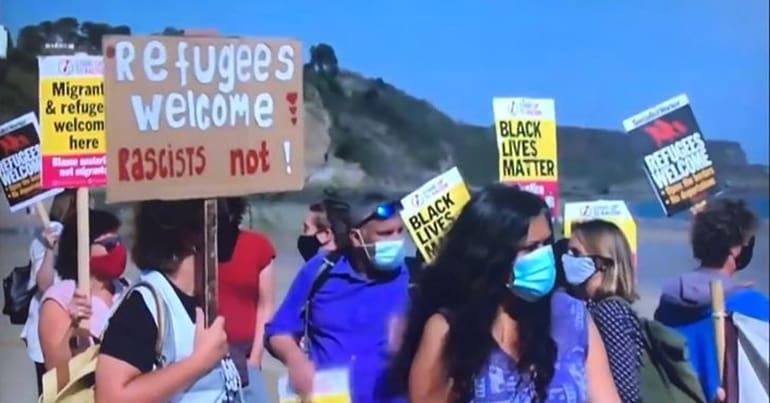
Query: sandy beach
(663, 252)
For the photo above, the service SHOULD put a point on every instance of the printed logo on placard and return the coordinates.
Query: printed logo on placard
(525, 108)
(416, 200)
(662, 131)
(65, 66)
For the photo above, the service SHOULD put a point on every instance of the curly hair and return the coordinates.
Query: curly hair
(166, 232)
(468, 280)
(723, 224)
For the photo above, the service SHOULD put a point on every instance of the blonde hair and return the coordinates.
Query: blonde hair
(605, 239)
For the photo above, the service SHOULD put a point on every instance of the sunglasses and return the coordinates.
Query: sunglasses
(383, 211)
(108, 243)
(601, 262)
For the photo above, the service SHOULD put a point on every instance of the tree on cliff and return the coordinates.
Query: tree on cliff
(323, 60)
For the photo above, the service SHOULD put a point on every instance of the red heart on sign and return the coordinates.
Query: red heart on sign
(294, 121)
(291, 97)
(293, 110)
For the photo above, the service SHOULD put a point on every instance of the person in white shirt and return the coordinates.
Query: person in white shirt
(42, 275)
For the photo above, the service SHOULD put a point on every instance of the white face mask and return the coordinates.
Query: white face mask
(577, 269)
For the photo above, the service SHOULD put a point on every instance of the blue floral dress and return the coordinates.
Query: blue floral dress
(500, 382)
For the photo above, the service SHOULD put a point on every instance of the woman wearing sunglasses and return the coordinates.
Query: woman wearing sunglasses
(63, 306)
(598, 269)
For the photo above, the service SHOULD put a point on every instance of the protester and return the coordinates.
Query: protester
(722, 238)
(245, 293)
(191, 365)
(325, 224)
(43, 274)
(599, 269)
(487, 326)
(63, 305)
(355, 301)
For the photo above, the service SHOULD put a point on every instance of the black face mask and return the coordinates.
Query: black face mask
(308, 246)
(744, 258)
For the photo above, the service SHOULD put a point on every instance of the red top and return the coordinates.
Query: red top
(239, 284)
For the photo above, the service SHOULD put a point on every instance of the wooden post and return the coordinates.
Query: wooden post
(42, 214)
(719, 314)
(206, 261)
(84, 247)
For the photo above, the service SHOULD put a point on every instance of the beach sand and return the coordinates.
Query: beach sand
(663, 252)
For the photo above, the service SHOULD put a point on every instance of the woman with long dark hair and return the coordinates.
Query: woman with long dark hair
(487, 326)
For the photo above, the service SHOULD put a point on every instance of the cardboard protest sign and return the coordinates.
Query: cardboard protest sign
(526, 144)
(72, 121)
(679, 169)
(202, 117)
(614, 211)
(429, 211)
(20, 163)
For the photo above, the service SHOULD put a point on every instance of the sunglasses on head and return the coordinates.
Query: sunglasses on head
(383, 211)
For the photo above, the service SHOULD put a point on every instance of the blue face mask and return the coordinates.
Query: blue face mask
(388, 255)
(577, 269)
(534, 274)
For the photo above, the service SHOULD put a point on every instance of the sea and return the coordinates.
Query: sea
(652, 208)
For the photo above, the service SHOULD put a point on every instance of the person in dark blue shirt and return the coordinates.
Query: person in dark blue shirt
(723, 242)
(356, 301)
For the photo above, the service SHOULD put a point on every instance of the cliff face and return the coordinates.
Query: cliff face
(393, 139)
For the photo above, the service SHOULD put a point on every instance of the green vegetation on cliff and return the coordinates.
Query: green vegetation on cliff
(387, 137)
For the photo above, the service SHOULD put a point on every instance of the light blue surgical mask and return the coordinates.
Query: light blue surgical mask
(577, 269)
(534, 274)
(388, 255)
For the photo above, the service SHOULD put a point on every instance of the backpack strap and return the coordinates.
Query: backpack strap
(321, 275)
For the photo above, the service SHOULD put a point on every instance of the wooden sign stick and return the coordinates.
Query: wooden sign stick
(719, 314)
(206, 261)
(84, 248)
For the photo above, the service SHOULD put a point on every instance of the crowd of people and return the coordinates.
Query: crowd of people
(504, 313)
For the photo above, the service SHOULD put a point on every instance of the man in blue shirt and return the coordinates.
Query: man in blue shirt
(352, 321)
(723, 242)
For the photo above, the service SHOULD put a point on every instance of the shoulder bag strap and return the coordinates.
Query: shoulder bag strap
(322, 274)
(160, 314)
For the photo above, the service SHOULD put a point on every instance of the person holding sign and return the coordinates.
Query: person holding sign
(722, 239)
(42, 251)
(351, 300)
(599, 269)
(191, 364)
(63, 306)
(488, 326)
(245, 292)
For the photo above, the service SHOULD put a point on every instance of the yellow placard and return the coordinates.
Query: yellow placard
(72, 115)
(71, 109)
(430, 211)
(526, 139)
(615, 211)
(329, 386)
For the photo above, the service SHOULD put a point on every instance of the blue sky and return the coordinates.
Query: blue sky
(601, 60)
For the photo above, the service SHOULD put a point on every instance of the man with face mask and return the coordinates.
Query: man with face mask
(343, 308)
(325, 228)
(722, 239)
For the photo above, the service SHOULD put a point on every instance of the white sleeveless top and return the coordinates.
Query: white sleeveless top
(222, 384)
